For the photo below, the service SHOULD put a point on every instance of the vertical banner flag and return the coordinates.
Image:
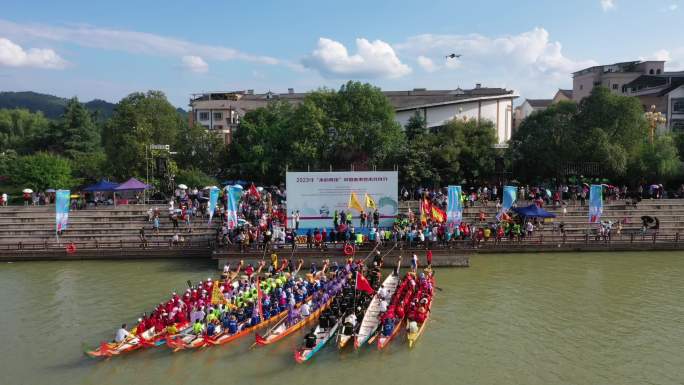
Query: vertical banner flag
(62, 209)
(231, 217)
(595, 203)
(454, 205)
(213, 198)
(509, 196)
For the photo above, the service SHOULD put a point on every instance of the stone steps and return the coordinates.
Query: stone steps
(105, 238)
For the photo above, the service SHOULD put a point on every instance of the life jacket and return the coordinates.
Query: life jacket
(388, 327)
(232, 326)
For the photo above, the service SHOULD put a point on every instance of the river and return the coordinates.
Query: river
(600, 318)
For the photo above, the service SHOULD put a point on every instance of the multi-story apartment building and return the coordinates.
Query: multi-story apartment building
(612, 76)
(646, 80)
(221, 112)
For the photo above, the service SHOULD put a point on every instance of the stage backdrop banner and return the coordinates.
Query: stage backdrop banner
(454, 205)
(318, 194)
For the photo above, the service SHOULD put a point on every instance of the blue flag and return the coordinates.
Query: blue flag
(510, 194)
(454, 205)
(232, 208)
(213, 198)
(595, 203)
(62, 209)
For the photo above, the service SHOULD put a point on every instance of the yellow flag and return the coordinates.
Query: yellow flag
(370, 203)
(354, 202)
(216, 294)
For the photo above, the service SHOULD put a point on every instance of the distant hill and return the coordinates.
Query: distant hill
(182, 113)
(51, 106)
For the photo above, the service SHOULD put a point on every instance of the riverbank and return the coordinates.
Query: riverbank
(457, 254)
(27, 234)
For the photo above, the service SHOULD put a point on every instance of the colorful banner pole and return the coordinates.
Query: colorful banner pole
(454, 206)
(213, 198)
(231, 212)
(62, 198)
(510, 194)
(595, 203)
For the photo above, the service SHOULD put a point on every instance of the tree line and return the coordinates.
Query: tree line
(606, 129)
(353, 126)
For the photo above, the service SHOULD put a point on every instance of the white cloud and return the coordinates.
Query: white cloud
(607, 5)
(673, 7)
(532, 50)
(427, 64)
(13, 55)
(194, 64)
(662, 54)
(530, 62)
(673, 57)
(374, 59)
(128, 41)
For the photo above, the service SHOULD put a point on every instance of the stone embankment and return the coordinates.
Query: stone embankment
(28, 233)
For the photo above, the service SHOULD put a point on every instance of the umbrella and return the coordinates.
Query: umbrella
(260, 189)
(182, 187)
(27, 191)
(50, 190)
(210, 187)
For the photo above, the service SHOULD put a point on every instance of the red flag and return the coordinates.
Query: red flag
(438, 214)
(253, 190)
(363, 285)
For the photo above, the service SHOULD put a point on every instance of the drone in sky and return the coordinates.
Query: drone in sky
(453, 56)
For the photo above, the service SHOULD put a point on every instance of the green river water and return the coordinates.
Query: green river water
(508, 319)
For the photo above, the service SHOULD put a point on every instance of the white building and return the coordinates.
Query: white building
(220, 112)
(440, 106)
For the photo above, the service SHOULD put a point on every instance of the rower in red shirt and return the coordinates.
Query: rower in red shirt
(142, 326)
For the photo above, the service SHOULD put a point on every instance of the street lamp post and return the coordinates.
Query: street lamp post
(654, 119)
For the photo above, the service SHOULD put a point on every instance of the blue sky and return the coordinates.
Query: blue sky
(109, 49)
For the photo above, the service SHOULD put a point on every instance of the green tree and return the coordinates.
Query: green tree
(543, 142)
(415, 127)
(477, 153)
(41, 171)
(193, 177)
(260, 150)
(8, 158)
(417, 165)
(604, 128)
(307, 137)
(659, 160)
(75, 133)
(21, 130)
(139, 119)
(360, 125)
(202, 149)
(89, 167)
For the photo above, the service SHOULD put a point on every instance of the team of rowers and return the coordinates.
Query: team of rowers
(231, 304)
(409, 301)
